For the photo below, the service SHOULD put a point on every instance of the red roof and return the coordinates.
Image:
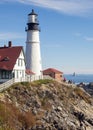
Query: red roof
(29, 72)
(8, 56)
(51, 70)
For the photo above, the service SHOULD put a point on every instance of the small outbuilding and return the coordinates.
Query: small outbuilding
(54, 73)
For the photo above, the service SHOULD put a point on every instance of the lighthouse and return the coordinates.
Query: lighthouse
(33, 55)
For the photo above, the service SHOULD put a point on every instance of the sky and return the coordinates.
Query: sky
(66, 36)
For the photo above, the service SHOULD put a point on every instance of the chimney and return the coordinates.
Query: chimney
(4, 46)
(9, 44)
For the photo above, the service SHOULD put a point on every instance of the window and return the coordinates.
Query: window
(17, 73)
(21, 62)
(6, 59)
(22, 73)
(18, 62)
(5, 74)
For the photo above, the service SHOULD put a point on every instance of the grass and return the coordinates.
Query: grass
(10, 117)
(82, 95)
(25, 83)
(5, 118)
(27, 119)
(41, 81)
(28, 84)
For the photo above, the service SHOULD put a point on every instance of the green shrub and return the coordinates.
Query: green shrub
(25, 83)
(82, 95)
(42, 81)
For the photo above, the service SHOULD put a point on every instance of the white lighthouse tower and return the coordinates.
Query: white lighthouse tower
(33, 56)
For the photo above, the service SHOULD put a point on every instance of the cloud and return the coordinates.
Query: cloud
(10, 36)
(87, 38)
(73, 7)
(90, 39)
(78, 34)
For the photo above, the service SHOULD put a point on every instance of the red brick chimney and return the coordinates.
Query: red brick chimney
(9, 44)
(4, 46)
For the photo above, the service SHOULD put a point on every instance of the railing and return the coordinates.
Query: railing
(6, 85)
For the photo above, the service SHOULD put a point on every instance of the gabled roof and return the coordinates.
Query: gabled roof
(8, 56)
(29, 72)
(52, 70)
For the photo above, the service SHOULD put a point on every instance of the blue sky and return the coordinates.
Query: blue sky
(66, 31)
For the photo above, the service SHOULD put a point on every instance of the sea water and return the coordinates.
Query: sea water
(78, 78)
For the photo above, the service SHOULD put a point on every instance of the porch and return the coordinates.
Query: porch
(6, 75)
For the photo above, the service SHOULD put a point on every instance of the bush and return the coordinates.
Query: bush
(25, 83)
(82, 95)
(27, 119)
(42, 81)
(11, 117)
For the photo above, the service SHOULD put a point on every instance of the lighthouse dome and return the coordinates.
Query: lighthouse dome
(33, 13)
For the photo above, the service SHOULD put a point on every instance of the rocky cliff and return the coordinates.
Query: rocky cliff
(46, 105)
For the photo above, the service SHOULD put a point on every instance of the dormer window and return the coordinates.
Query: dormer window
(5, 59)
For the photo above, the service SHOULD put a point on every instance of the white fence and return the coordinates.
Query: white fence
(8, 83)
(5, 85)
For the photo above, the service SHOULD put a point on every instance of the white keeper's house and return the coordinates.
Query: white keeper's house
(12, 63)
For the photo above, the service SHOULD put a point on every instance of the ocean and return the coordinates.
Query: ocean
(78, 78)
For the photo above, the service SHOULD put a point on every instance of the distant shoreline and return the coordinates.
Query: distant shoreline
(78, 78)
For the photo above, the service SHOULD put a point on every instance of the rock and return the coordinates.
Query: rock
(90, 121)
(91, 84)
(59, 108)
(52, 106)
(34, 111)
